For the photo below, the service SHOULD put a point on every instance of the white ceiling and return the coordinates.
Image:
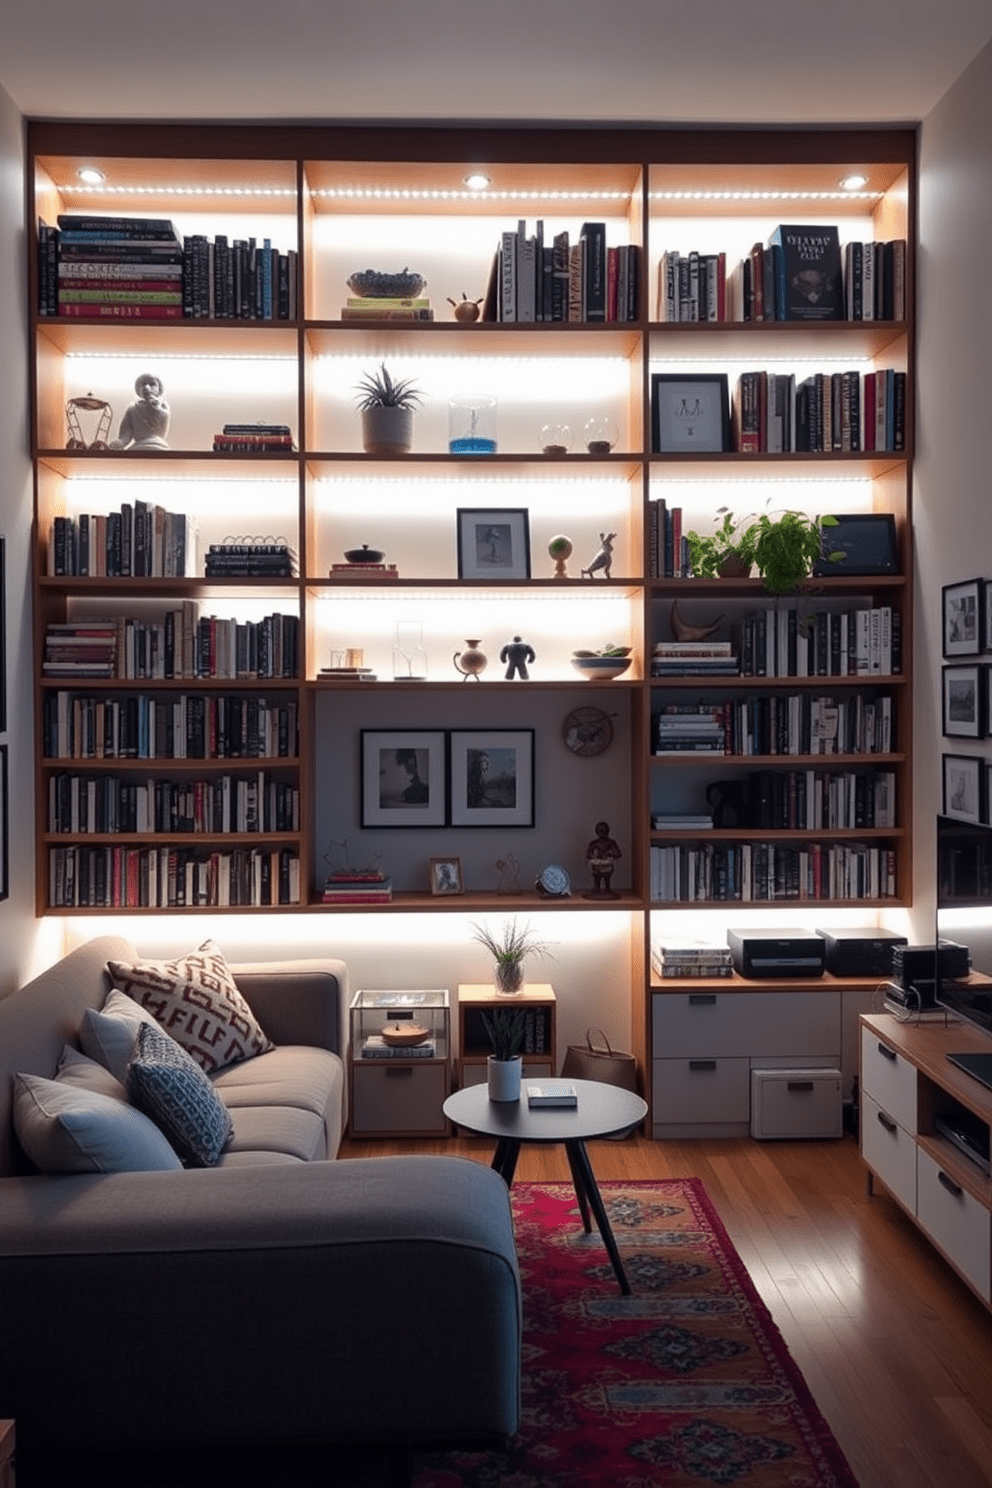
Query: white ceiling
(719, 61)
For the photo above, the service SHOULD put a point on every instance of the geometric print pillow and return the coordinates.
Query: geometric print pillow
(196, 998)
(170, 1087)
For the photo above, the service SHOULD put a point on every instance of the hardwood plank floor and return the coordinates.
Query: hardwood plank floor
(895, 1348)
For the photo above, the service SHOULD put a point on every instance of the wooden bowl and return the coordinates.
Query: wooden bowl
(404, 1035)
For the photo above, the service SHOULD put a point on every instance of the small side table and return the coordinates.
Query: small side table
(538, 1002)
(602, 1111)
(399, 1092)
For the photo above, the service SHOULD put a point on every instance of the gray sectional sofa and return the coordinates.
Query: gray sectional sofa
(279, 1296)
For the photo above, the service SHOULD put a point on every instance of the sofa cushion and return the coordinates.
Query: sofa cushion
(294, 1075)
(109, 1036)
(83, 1073)
(284, 1130)
(65, 1129)
(196, 999)
(170, 1087)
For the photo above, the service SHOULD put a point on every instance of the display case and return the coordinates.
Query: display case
(399, 1062)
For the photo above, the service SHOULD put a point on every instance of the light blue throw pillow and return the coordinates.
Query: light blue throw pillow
(65, 1129)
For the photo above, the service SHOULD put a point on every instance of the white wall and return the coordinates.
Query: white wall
(25, 945)
(953, 496)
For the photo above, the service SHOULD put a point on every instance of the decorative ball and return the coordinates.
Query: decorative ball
(560, 547)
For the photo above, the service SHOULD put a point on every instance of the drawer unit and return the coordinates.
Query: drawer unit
(401, 1099)
(956, 1222)
(889, 1079)
(796, 1103)
(890, 1151)
(717, 1024)
(703, 1094)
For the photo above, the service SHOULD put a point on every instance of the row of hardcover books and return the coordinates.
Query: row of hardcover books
(142, 541)
(171, 877)
(825, 413)
(765, 872)
(777, 725)
(865, 642)
(180, 646)
(192, 726)
(137, 268)
(224, 803)
(583, 280)
(819, 800)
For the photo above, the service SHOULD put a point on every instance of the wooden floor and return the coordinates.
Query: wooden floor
(896, 1350)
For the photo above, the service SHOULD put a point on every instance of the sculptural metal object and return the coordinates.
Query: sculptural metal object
(146, 423)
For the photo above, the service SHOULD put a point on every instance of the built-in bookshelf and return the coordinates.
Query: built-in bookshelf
(575, 454)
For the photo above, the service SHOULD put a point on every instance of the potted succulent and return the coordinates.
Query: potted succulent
(505, 1027)
(509, 950)
(386, 404)
(783, 546)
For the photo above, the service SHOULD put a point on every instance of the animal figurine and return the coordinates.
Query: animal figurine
(465, 309)
(603, 559)
(682, 630)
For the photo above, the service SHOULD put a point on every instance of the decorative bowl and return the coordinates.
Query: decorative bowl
(377, 284)
(364, 554)
(404, 1035)
(600, 668)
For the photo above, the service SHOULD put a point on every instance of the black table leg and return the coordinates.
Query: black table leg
(582, 1172)
(505, 1159)
(580, 1192)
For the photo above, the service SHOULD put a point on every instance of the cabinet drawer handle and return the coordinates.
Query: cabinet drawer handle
(702, 1064)
(887, 1122)
(799, 1085)
(887, 1053)
(398, 1071)
(953, 1188)
(702, 999)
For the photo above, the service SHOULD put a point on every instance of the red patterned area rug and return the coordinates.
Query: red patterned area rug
(684, 1383)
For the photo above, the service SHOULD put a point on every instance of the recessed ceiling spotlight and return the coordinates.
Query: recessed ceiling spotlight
(477, 181)
(854, 182)
(90, 175)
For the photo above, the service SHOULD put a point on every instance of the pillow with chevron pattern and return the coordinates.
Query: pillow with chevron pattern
(168, 1085)
(195, 998)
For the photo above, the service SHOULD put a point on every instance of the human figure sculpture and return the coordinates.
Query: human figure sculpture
(146, 423)
(517, 654)
(601, 855)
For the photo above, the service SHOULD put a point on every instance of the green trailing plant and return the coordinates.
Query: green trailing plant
(382, 390)
(505, 1028)
(783, 546)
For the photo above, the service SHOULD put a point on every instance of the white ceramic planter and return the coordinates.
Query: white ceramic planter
(503, 1078)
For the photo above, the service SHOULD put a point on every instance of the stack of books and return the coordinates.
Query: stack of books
(254, 439)
(375, 1047)
(683, 821)
(694, 658)
(81, 648)
(372, 572)
(357, 886)
(691, 958)
(253, 558)
(690, 728)
(116, 268)
(385, 307)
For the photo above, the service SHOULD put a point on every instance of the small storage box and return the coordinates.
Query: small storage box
(796, 1103)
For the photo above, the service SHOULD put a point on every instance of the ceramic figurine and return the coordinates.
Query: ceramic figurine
(517, 654)
(603, 559)
(471, 661)
(146, 423)
(601, 855)
(682, 630)
(466, 309)
(560, 549)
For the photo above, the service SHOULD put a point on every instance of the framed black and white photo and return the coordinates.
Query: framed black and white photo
(4, 851)
(493, 543)
(446, 876)
(963, 782)
(964, 710)
(492, 778)
(403, 778)
(3, 637)
(963, 615)
(690, 411)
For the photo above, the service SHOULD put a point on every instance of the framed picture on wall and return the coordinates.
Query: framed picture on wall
(963, 782)
(492, 778)
(963, 617)
(403, 778)
(493, 543)
(964, 710)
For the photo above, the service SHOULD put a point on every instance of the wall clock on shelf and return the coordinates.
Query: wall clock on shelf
(588, 731)
(554, 882)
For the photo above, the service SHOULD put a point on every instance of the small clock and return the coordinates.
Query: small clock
(588, 731)
(553, 881)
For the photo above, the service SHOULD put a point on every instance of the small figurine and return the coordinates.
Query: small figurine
(560, 549)
(517, 654)
(88, 404)
(465, 309)
(146, 423)
(683, 630)
(601, 855)
(509, 874)
(603, 559)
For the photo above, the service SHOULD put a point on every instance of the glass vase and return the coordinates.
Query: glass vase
(409, 656)
(508, 976)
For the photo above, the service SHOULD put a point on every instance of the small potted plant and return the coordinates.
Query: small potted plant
(505, 1027)
(783, 546)
(509, 950)
(386, 404)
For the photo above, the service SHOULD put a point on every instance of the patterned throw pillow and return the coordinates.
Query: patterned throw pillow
(197, 1000)
(171, 1088)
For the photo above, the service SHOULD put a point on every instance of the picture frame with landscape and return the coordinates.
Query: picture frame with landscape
(964, 700)
(492, 777)
(403, 778)
(493, 543)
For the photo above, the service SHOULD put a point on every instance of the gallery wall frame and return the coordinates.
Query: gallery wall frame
(690, 412)
(962, 617)
(493, 543)
(964, 781)
(492, 777)
(403, 777)
(964, 701)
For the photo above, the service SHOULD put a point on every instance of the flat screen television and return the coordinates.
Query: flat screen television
(964, 915)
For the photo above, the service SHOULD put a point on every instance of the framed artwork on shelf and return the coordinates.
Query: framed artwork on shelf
(403, 778)
(690, 411)
(4, 851)
(446, 876)
(962, 609)
(492, 778)
(964, 709)
(3, 637)
(964, 777)
(493, 543)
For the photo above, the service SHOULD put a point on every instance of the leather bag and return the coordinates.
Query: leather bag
(600, 1061)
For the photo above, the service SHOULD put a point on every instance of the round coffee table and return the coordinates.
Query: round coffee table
(602, 1111)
